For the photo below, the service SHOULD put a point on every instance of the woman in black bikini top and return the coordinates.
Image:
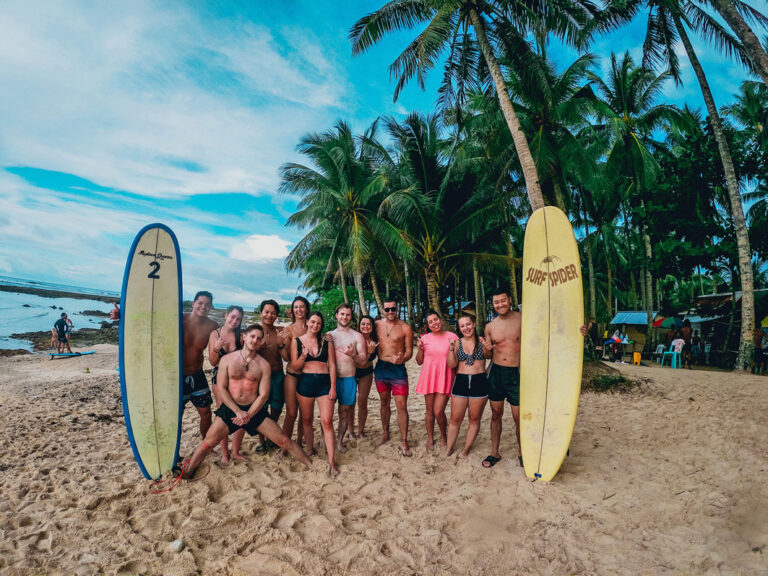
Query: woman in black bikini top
(470, 387)
(322, 355)
(316, 359)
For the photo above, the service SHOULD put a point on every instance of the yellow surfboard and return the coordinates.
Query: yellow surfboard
(150, 349)
(551, 347)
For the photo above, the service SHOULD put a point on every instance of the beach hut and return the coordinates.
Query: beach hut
(634, 324)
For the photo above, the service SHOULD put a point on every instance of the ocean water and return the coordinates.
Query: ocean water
(30, 313)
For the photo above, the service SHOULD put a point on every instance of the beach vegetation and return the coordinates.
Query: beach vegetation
(668, 204)
(614, 383)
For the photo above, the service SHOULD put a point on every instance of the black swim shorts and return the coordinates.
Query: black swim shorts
(196, 390)
(314, 385)
(504, 384)
(256, 420)
(362, 372)
(470, 386)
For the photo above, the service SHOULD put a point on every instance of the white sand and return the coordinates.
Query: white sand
(671, 479)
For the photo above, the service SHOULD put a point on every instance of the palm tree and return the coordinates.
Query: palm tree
(734, 12)
(434, 208)
(629, 114)
(448, 24)
(340, 196)
(667, 22)
(750, 112)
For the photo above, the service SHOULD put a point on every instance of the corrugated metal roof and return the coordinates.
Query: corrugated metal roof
(633, 317)
(700, 319)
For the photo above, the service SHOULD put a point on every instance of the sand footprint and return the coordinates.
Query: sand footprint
(286, 519)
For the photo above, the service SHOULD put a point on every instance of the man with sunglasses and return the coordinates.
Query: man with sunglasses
(395, 349)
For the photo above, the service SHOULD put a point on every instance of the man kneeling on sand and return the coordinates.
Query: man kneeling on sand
(243, 385)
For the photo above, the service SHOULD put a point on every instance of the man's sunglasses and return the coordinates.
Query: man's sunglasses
(390, 309)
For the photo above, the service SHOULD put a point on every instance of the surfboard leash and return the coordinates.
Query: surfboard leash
(160, 486)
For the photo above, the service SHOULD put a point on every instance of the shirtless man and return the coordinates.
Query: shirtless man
(351, 354)
(687, 332)
(395, 349)
(243, 383)
(502, 344)
(274, 351)
(197, 331)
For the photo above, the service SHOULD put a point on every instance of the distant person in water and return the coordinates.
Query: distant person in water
(62, 327)
(243, 387)
(197, 329)
(114, 314)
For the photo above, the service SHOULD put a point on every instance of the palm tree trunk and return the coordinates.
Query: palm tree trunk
(512, 274)
(433, 291)
(408, 302)
(746, 345)
(343, 282)
(632, 290)
(751, 43)
(521, 144)
(359, 287)
(648, 279)
(376, 294)
(419, 308)
(701, 283)
(591, 270)
(609, 272)
(456, 297)
(479, 304)
(643, 294)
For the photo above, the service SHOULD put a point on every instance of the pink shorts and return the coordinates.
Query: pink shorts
(397, 387)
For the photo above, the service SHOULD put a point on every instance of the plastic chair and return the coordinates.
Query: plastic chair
(637, 358)
(674, 360)
(659, 352)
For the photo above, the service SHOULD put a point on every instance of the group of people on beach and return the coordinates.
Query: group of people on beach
(251, 390)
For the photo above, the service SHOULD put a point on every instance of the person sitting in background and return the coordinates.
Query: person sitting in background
(114, 314)
(677, 344)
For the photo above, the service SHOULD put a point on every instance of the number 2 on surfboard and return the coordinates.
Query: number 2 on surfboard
(155, 267)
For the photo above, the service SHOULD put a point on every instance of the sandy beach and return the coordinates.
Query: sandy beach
(671, 478)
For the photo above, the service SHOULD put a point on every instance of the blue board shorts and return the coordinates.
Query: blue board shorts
(346, 390)
(391, 378)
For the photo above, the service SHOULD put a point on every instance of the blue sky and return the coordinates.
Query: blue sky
(118, 114)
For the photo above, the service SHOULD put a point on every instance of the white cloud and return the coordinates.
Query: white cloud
(258, 248)
(109, 91)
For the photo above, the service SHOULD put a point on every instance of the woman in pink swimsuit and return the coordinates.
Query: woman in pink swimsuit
(436, 376)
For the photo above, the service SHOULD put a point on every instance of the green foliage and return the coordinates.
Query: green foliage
(331, 298)
(608, 383)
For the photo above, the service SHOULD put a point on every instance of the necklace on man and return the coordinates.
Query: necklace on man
(247, 362)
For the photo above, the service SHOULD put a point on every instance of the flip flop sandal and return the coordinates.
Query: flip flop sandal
(490, 461)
